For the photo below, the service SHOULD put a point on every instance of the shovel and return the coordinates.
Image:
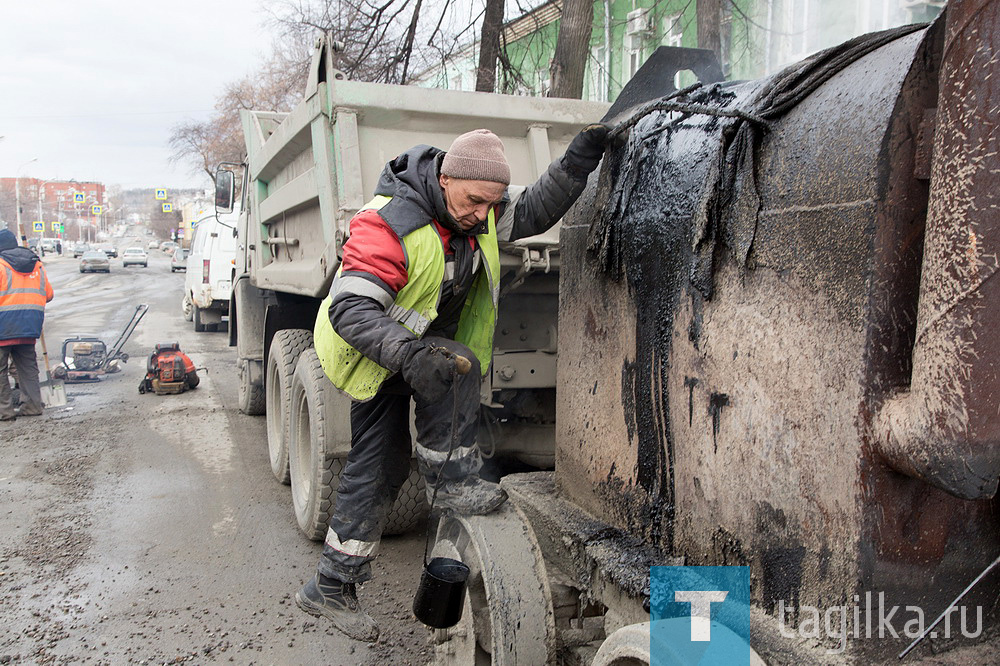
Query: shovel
(53, 390)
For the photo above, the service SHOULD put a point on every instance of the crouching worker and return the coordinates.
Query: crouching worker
(418, 286)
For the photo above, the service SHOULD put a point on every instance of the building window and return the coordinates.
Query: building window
(672, 36)
(598, 79)
(544, 82)
(636, 33)
(799, 39)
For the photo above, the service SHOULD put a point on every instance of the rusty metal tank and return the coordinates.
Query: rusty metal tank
(807, 385)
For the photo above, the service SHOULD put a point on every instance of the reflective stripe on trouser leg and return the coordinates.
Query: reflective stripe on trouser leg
(376, 468)
(434, 423)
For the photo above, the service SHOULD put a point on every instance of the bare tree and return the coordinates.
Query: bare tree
(162, 223)
(377, 37)
(276, 87)
(489, 46)
(572, 46)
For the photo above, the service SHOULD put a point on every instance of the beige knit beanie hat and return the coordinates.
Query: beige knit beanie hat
(477, 155)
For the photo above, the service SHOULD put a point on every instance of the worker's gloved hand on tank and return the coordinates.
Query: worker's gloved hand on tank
(585, 150)
(429, 370)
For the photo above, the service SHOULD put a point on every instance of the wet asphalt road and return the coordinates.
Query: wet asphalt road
(149, 529)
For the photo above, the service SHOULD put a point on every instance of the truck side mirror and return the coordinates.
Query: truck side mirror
(225, 190)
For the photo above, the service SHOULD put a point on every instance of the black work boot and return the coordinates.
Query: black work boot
(338, 602)
(471, 496)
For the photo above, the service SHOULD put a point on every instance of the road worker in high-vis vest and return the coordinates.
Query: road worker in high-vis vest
(418, 286)
(24, 291)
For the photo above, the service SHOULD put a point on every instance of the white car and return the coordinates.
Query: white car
(209, 273)
(135, 255)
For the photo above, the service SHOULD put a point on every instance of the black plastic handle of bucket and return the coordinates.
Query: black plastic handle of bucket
(451, 449)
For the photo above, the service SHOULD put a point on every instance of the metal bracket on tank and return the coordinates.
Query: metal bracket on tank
(531, 260)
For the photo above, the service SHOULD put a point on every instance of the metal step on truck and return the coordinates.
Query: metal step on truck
(307, 173)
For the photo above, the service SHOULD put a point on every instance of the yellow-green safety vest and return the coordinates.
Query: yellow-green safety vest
(415, 307)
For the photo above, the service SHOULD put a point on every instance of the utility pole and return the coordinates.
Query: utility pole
(41, 217)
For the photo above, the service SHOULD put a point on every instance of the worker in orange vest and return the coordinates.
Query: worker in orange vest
(24, 291)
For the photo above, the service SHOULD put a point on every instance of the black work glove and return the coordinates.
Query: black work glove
(429, 370)
(585, 150)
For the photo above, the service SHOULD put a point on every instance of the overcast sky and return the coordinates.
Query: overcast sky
(93, 88)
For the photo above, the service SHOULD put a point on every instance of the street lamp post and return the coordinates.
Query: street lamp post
(41, 191)
(17, 197)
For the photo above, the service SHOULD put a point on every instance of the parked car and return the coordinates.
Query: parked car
(108, 249)
(95, 260)
(169, 247)
(178, 260)
(152, 245)
(208, 283)
(135, 255)
(80, 249)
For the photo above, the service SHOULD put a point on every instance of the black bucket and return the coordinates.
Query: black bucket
(441, 594)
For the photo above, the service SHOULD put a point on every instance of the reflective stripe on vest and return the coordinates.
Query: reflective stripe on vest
(415, 307)
(19, 291)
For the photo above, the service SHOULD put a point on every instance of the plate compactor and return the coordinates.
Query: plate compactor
(86, 359)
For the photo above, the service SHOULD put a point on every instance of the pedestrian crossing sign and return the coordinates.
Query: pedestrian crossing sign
(161, 194)
(55, 226)
(96, 209)
(78, 197)
(168, 208)
(39, 226)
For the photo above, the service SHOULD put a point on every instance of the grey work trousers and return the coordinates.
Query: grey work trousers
(379, 462)
(27, 379)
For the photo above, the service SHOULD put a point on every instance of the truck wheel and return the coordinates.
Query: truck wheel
(410, 507)
(508, 592)
(317, 445)
(251, 396)
(188, 307)
(286, 346)
(199, 325)
(637, 644)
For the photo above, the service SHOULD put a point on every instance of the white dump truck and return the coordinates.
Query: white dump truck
(307, 173)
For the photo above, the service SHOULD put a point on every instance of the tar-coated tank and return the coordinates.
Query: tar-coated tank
(776, 345)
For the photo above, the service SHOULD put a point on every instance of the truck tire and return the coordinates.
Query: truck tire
(315, 446)
(410, 508)
(188, 307)
(286, 346)
(251, 397)
(507, 617)
(199, 325)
